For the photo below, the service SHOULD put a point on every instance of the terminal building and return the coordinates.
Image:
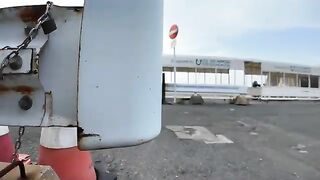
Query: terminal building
(222, 77)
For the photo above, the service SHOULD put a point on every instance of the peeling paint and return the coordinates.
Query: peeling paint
(31, 14)
(88, 135)
(27, 90)
(81, 134)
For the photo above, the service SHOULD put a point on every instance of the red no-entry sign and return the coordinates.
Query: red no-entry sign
(174, 30)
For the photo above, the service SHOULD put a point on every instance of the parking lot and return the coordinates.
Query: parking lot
(271, 141)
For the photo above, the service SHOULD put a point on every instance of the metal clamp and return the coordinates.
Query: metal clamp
(11, 166)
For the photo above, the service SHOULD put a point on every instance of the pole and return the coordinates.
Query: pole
(196, 71)
(235, 77)
(269, 79)
(229, 77)
(163, 88)
(215, 76)
(174, 75)
(261, 77)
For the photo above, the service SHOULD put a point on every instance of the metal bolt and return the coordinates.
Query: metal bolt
(25, 103)
(15, 63)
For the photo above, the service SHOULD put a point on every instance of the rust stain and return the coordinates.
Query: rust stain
(20, 89)
(4, 88)
(78, 10)
(23, 89)
(31, 14)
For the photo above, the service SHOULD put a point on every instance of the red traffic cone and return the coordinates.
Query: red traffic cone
(6, 145)
(58, 149)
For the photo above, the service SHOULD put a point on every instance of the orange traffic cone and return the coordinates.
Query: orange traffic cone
(6, 145)
(58, 148)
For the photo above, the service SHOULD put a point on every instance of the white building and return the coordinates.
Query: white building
(211, 75)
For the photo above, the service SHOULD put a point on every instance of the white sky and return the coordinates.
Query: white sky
(246, 28)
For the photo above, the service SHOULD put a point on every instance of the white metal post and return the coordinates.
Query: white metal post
(229, 77)
(215, 76)
(188, 78)
(234, 77)
(174, 75)
(261, 77)
(309, 81)
(269, 79)
(196, 72)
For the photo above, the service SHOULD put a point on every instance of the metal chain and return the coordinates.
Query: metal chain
(18, 142)
(6, 47)
(5, 62)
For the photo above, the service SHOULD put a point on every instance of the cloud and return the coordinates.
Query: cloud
(205, 23)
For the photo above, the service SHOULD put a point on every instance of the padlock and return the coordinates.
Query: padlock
(49, 25)
(15, 63)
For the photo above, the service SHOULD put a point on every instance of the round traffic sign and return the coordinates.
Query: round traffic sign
(173, 33)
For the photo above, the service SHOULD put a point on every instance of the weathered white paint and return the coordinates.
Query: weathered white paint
(111, 88)
(198, 133)
(4, 130)
(120, 72)
(25, 55)
(58, 68)
(58, 137)
(220, 139)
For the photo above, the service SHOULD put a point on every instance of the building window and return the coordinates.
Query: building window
(314, 81)
(276, 79)
(290, 80)
(303, 80)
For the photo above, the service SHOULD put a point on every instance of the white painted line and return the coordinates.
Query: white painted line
(221, 139)
(198, 133)
(241, 123)
(303, 152)
(254, 133)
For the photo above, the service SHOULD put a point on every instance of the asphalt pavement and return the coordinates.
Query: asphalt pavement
(272, 141)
